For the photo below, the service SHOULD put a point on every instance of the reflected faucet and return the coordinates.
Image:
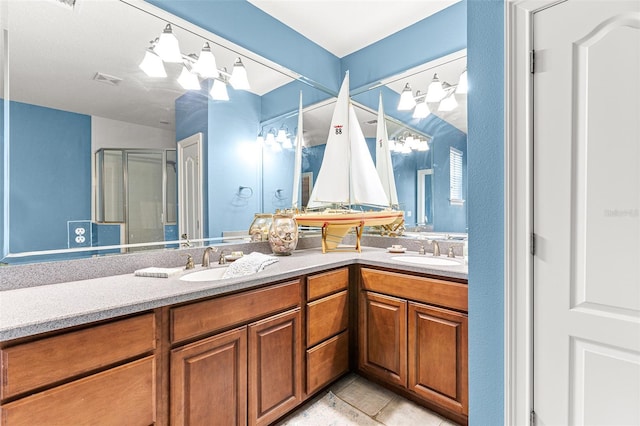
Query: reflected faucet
(436, 248)
(223, 259)
(205, 256)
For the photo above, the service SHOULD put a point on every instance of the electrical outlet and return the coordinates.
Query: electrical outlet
(408, 213)
(79, 233)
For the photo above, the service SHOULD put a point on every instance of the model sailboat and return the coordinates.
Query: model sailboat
(347, 178)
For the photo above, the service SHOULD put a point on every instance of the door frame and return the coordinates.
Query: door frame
(518, 163)
(420, 187)
(190, 140)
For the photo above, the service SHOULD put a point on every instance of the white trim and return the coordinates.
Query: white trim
(518, 285)
(420, 213)
(195, 139)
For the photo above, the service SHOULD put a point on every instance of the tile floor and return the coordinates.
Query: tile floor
(353, 400)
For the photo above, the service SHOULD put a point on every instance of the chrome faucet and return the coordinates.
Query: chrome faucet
(223, 259)
(205, 256)
(436, 248)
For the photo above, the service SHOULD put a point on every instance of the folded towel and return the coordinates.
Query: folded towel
(157, 272)
(249, 264)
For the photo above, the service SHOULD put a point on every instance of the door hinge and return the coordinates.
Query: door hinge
(532, 244)
(532, 418)
(532, 61)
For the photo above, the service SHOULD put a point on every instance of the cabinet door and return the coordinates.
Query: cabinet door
(209, 381)
(275, 367)
(382, 331)
(438, 356)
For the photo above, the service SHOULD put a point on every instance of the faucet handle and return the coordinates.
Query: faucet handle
(450, 253)
(190, 264)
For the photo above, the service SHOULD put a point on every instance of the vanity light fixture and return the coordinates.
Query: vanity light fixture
(152, 64)
(463, 85)
(188, 80)
(239, 80)
(435, 92)
(219, 90)
(206, 65)
(407, 102)
(167, 47)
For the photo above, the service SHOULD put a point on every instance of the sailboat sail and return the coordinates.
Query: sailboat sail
(347, 175)
(384, 166)
(297, 165)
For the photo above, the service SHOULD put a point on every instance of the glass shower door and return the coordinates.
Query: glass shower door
(145, 221)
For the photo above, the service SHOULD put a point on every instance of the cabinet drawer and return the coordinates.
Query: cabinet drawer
(327, 317)
(211, 315)
(124, 395)
(327, 361)
(327, 283)
(50, 360)
(421, 289)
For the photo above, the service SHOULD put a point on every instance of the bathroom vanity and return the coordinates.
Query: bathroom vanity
(139, 351)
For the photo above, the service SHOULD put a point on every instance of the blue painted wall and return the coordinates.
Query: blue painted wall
(233, 160)
(44, 196)
(485, 63)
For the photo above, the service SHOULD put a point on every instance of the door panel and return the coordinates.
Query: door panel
(587, 213)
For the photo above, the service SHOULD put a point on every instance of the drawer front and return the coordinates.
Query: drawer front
(211, 315)
(53, 359)
(421, 289)
(327, 361)
(327, 317)
(124, 395)
(327, 283)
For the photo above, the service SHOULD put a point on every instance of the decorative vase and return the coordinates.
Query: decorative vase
(259, 229)
(283, 234)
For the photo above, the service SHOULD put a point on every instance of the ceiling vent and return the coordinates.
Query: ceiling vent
(107, 79)
(372, 122)
(69, 4)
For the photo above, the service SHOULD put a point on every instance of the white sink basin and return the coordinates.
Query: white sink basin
(427, 261)
(212, 274)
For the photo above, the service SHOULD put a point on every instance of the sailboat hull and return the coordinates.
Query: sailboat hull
(336, 223)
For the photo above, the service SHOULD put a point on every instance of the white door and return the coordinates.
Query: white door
(587, 213)
(190, 187)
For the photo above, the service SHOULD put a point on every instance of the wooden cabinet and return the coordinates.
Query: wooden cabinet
(412, 333)
(327, 323)
(105, 372)
(251, 374)
(275, 367)
(437, 350)
(209, 381)
(383, 337)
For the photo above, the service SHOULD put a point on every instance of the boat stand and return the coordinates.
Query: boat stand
(330, 241)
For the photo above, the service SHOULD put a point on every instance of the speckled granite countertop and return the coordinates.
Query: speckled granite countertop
(33, 310)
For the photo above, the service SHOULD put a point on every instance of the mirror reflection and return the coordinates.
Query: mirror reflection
(91, 132)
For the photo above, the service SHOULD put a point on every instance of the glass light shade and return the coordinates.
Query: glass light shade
(167, 47)
(271, 139)
(407, 102)
(463, 86)
(287, 143)
(448, 104)
(219, 90)
(152, 65)
(239, 80)
(206, 64)
(406, 149)
(260, 139)
(282, 135)
(422, 110)
(276, 147)
(423, 145)
(188, 80)
(435, 92)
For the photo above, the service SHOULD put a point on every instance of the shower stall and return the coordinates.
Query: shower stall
(137, 188)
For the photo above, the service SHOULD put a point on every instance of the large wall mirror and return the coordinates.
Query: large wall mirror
(91, 142)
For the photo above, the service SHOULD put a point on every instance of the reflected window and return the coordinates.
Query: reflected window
(455, 176)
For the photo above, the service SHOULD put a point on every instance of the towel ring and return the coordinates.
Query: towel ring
(244, 192)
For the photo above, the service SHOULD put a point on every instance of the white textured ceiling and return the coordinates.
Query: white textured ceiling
(345, 26)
